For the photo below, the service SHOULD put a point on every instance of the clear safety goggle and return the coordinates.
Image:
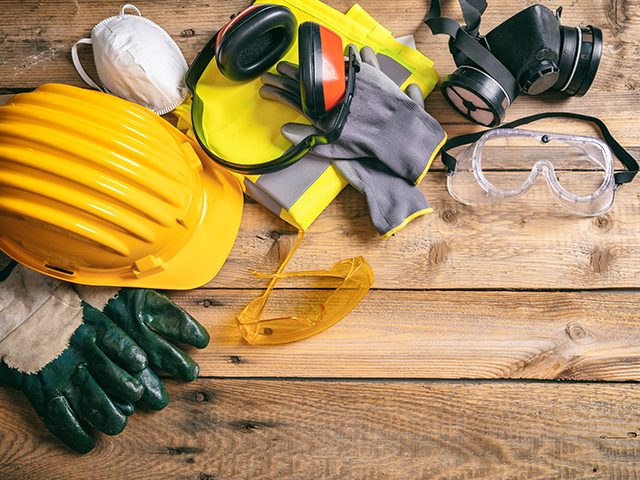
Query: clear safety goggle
(504, 164)
(304, 312)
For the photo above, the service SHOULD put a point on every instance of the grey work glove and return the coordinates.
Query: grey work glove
(93, 377)
(383, 121)
(393, 201)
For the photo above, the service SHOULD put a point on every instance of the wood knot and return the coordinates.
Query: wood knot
(248, 427)
(438, 253)
(234, 359)
(603, 222)
(282, 245)
(189, 32)
(207, 302)
(579, 335)
(449, 216)
(600, 260)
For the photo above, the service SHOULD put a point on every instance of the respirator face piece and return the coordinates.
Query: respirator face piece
(253, 42)
(530, 52)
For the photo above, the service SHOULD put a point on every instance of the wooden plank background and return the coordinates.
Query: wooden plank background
(496, 342)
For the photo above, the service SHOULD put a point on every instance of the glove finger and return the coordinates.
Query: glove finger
(296, 132)
(415, 93)
(277, 95)
(290, 70)
(125, 406)
(61, 420)
(9, 376)
(93, 405)
(369, 56)
(114, 341)
(282, 83)
(167, 318)
(352, 46)
(155, 395)
(110, 377)
(168, 357)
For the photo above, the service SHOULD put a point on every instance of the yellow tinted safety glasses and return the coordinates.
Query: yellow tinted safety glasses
(354, 277)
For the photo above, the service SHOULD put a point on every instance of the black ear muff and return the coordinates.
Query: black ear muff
(254, 40)
(322, 69)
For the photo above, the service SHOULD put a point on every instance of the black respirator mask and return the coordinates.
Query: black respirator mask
(530, 52)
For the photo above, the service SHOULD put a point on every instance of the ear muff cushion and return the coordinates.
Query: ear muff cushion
(254, 41)
(322, 71)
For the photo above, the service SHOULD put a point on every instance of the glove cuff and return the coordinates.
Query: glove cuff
(393, 201)
(39, 314)
(97, 297)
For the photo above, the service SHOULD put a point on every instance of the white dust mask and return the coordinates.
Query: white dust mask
(136, 60)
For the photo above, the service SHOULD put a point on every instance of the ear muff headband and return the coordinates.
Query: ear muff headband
(254, 40)
(296, 152)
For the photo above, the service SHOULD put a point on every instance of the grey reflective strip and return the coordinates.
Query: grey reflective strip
(261, 197)
(286, 186)
(393, 69)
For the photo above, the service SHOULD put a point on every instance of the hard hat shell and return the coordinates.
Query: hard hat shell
(97, 190)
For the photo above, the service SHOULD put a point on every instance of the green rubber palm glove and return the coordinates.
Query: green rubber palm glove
(87, 385)
(94, 379)
(149, 317)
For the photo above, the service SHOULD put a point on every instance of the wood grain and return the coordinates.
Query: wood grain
(259, 429)
(434, 334)
(531, 243)
(496, 342)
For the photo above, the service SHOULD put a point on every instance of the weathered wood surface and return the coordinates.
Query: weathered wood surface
(491, 297)
(437, 334)
(265, 430)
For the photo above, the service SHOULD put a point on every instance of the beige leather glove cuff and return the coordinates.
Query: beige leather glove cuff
(39, 314)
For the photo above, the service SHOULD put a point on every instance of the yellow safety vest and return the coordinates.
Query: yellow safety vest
(240, 124)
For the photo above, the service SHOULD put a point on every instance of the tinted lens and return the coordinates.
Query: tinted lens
(279, 317)
(294, 314)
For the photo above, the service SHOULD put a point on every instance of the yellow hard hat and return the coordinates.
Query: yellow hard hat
(100, 191)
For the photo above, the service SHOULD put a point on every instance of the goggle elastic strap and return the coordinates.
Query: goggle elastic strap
(627, 160)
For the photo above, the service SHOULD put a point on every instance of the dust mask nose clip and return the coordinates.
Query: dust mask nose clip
(136, 60)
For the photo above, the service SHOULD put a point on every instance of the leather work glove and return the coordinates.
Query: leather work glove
(82, 368)
(388, 183)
